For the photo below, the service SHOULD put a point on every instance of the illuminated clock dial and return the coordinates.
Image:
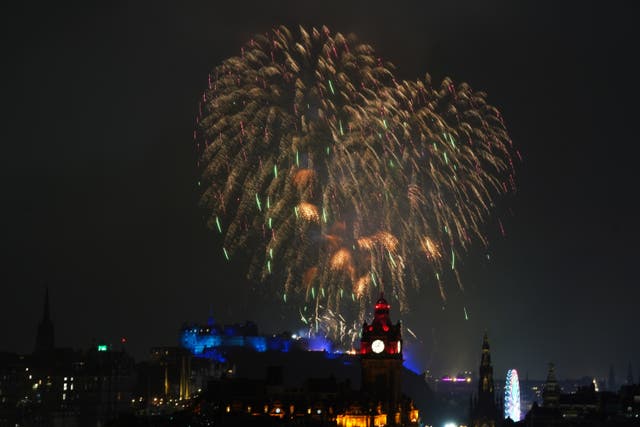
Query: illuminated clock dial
(377, 346)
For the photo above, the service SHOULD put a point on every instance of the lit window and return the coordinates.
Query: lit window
(64, 386)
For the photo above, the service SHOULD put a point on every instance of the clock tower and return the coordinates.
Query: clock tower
(381, 357)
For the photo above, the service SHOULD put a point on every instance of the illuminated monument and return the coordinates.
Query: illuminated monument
(381, 359)
(381, 402)
(484, 412)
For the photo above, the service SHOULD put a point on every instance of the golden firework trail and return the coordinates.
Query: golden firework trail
(343, 181)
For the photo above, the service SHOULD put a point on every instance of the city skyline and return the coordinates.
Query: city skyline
(282, 341)
(102, 206)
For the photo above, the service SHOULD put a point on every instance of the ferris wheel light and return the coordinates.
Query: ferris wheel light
(512, 396)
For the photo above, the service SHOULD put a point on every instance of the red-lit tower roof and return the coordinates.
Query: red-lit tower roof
(382, 329)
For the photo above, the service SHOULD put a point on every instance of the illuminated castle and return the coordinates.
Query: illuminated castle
(319, 399)
(212, 341)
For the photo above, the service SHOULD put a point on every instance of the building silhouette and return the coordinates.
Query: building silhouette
(62, 386)
(484, 410)
(612, 378)
(315, 400)
(45, 342)
(551, 391)
(584, 406)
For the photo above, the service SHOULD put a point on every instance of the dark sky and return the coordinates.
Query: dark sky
(99, 201)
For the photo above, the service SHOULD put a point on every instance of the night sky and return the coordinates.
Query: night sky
(99, 199)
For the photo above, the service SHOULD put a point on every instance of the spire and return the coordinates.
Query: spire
(551, 375)
(551, 392)
(382, 306)
(612, 378)
(485, 409)
(45, 337)
(486, 354)
(486, 370)
(485, 341)
(46, 314)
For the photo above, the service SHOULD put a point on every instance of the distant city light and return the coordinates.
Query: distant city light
(456, 379)
(102, 347)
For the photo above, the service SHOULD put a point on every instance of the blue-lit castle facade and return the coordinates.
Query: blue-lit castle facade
(213, 341)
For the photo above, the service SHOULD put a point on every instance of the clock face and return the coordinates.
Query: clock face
(377, 346)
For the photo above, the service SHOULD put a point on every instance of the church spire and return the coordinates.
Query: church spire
(486, 371)
(551, 391)
(486, 354)
(485, 411)
(46, 313)
(45, 337)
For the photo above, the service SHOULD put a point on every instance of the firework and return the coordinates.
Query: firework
(448, 155)
(341, 179)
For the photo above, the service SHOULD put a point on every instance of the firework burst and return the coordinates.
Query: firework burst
(341, 179)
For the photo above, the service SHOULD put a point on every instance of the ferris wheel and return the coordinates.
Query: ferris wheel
(512, 396)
